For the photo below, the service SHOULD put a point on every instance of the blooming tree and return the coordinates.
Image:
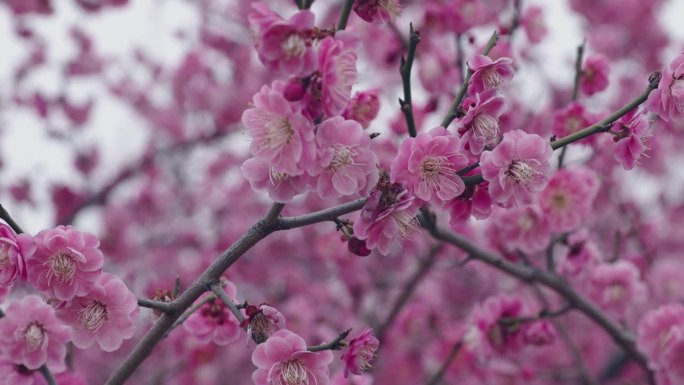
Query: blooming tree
(286, 224)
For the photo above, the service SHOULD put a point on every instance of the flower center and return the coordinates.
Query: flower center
(62, 266)
(485, 127)
(406, 223)
(277, 177)
(343, 157)
(364, 357)
(260, 326)
(4, 255)
(292, 372)
(492, 78)
(677, 92)
(559, 201)
(279, 133)
(521, 172)
(34, 336)
(93, 316)
(573, 124)
(293, 46)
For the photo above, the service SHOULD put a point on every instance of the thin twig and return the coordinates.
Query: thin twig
(575, 90)
(163, 307)
(5, 216)
(344, 16)
(437, 377)
(405, 71)
(221, 294)
(336, 344)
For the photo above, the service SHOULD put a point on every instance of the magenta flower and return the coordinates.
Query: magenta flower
(655, 332)
(262, 321)
(377, 11)
(388, 217)
(32, 335)
(674, 356)
(14, 249)
(345, 159)
(13, 374)
(363, 107)
(337, 66)
(539, 333)
(523, 228)
(214, 322)
(567, 198)
(284, 45)
(570, 119)
(474, 201)
(480, 125)
(105, 316)
(281, 187)
(532, 21)
(284, 360)
(489, 74)
(280, 135)
(486, 335)
(427, 166)
(517, 168)
(66, 262)
(617, 287)
(358, 356)
(595, 74)
(633, 131)
(668, 100)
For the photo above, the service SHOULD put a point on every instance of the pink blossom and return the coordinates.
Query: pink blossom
(517, 168)
(655, 331)
(427, 166)
(13, 374)
(66, 262)
(595, 74)
(283, 359)
(347, 165)
(489, 74)
(21, 7)
(388, 217)
(262, 321)
(377, 11)
(668, 100)
(363, 107)
(480, 125)
(437, 72)
(523, 228)
(281, 187)
(674, 356)
(539, 333)
(582, 255)
(284, 45)
(532, 21)
(14, 249)
(474, 201)
(633, 130)
(616, 287)
(280, 135)
(486, 335)
(32, 335)
(214, 322)
(358, 356)
(570, 119)
(567, 198)
(337, 66)
(105, 316)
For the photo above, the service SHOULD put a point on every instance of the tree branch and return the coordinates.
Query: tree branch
(405, 71)
(344, 16)
(164, 307)
(5, 216)
(336, 344)
(437, 377)
(221, 294)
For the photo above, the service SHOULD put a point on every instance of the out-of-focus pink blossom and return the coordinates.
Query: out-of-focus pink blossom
(617, 287)
(346, 163)
(474, 201)
(567, 198)
(668, 100)
(517, 168)
(281, 187)
(214, 322)
(22, 7)
(363, 107)
(655, 332)
(539, 333)
(106, 315)
(486, 334)
(14, 249)
(571, 119)
(358, 356)
(66, 262)
(13, 374)
(32, 335)
(427, 164)
(284, 359)
(377, 11)
(337, 66)
(280, 135)
(595, 73)
(581, 256)
(388, 217)
(489, 74)
(480, 125)
(532, 21)
(673, 357)
(523, 228)
(633, 130)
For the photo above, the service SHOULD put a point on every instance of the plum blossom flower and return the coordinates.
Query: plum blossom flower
(346, 162)
(595, 74)
(262, 321)
(656, 332)
(673, 357)
(363, 107)
(66, 262)
(280, 135)
(284, 360)
(567, 198)
(358, 356)
(388, 216)
(489, 74)
(539, 333)
(474, 201)
(281, 187)
(14, 249)
(616, 287)
(582, 255)
(13, 374)
(523, 228)
(571, 119)
(668, 100)
(633, 131)
(284, 45)
(517, 168)
(214, 322)
(480, 125)
(486, 335)
(377, 11)
(337, 66)
(32, 335)
(427, 166)
(105, 316)
(532, 21)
